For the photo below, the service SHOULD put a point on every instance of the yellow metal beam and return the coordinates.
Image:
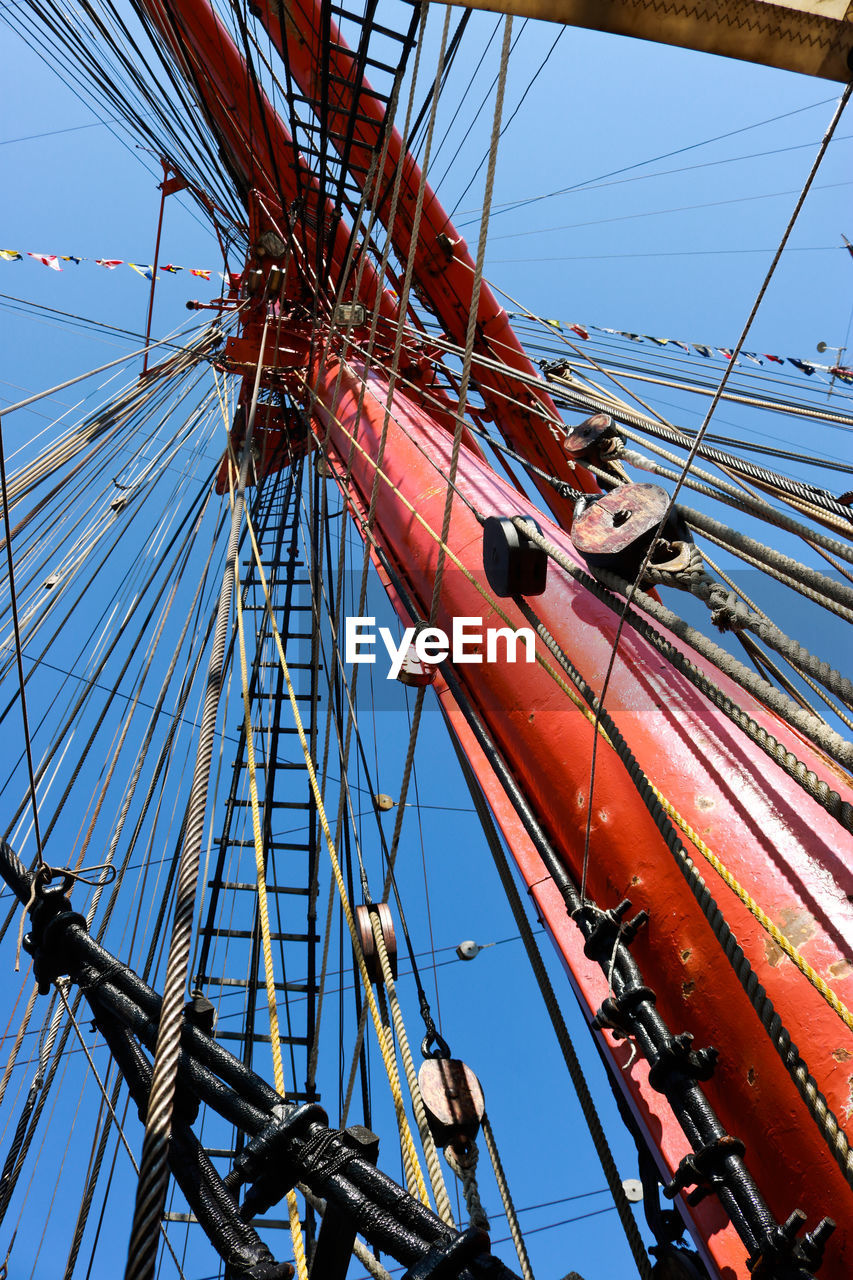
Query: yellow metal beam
(814, 37)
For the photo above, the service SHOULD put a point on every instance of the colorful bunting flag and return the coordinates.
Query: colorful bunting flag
(848, 244)
(807, 367)
(46, 259)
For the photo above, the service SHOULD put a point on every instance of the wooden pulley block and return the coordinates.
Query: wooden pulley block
(254, 282)
(616, 530)
(275, 282)
(453, 1100)
(415, 673)
(364, 929)
(514, 565)
(269, 244)
(582, 441)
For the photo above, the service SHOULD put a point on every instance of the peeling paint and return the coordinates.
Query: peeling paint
(841, 969)
(842, 1055)
(704, 802)
(685, 955)
(687, 989)
(797, 925)
(750, 1076)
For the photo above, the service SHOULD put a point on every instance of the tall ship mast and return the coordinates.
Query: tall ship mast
(363, 544)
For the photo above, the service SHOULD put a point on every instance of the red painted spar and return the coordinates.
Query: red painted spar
(443, 266)
(772, 836)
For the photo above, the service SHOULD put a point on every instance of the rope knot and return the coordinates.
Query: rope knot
(728, 613)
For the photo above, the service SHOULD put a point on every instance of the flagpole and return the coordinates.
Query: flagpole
(156, 264)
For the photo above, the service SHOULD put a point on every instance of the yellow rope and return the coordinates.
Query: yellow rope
(436, 1177)
(263, 912)
(726, 876)
(385, 1044)
(761, 916)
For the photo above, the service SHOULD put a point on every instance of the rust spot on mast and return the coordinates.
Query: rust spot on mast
(797, 925)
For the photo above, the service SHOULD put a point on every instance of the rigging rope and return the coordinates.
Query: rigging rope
(263, 912)
(154, 1174)
(694, 447)
(385, 1045)
(555, 1014)
(17, 629)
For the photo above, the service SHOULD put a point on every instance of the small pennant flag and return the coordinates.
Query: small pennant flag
(47, 260)
(11, 255)
(775, 359)
(109, 263)
(171, 268)
(726, 352)
(69, 257)
(803, 365)
(146, 272)
(703, 350)
(683, 345)
(840, 371)
(753, 356)
(662, 342)
(848, 244)
(579, 330)
(198, 271)
(635, 337)
(555, 324)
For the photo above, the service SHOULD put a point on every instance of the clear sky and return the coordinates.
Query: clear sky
(679, 174)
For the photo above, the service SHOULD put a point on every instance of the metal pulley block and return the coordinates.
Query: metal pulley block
(364, 928)
(616, 530)
(350, 313)
(514, 565)
(453, 1100)
(201, 1012)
